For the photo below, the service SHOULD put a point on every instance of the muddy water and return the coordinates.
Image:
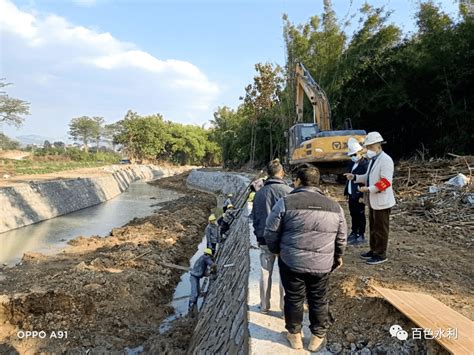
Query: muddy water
(48, 236)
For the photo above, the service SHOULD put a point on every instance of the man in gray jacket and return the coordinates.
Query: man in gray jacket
(308, 230)
(273, 189)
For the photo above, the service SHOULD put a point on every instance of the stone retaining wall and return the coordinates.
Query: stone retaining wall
(222, 326)
(31, 202)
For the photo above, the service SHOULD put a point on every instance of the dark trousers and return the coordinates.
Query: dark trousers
(357, 211)
(212, 246)
(195, 289)
(298, 287)
(379, 223)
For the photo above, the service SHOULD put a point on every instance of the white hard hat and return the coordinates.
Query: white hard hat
(372, 138)
(353, 146)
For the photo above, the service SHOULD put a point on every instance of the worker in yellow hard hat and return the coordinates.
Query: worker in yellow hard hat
(203, 266)
(212, 233)
(229, 216)
(229, 201)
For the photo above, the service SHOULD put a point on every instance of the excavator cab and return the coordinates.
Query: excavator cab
(300, 133)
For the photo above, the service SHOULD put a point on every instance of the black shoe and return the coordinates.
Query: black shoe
(351, 237)
(367, 255)
(358, 241)
(375, 260)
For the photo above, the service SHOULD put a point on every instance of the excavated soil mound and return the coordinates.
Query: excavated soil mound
(107, 293)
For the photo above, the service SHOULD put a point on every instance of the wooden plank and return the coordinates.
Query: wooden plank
(173, 266)
(429, 313)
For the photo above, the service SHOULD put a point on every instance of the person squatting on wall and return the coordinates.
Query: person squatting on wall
(379, 195)
(204, 266)
(273, 189)
(355, 198)
(308, 231)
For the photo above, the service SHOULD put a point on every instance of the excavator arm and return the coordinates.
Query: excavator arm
(305, 84)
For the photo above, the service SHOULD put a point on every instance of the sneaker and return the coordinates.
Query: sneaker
(295, 340)
(367, 255)
(351, 237)
(316, 343)
(357, 241)
(376, 260)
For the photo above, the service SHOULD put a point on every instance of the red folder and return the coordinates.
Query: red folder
(383, 184)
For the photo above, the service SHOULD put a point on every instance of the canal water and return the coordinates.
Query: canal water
(51, 235)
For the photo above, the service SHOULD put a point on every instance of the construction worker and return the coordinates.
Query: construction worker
(254, 187)
(273, 189)
(379, 195)
(355, 197)
(203, 266)
(227, 218)
(251, 196)
(228, 201)
(258, 183)
(212, 233)
(308, 231)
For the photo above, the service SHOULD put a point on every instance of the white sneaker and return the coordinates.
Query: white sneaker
(295, 340)
(316, 343)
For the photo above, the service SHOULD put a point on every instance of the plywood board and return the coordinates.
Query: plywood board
(429, 313)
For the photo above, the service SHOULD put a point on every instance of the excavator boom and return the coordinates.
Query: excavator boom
(305, 84)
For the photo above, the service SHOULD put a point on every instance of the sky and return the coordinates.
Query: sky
(181, 58)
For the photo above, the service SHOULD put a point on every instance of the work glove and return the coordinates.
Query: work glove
(214, 269)
(337, 263)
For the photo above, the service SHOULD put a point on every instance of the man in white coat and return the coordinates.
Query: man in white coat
(378, 186)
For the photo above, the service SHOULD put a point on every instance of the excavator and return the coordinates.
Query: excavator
(316, 143)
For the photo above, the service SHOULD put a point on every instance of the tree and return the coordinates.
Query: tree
(8, 143)
(59, 144)
(260, 98)
(46, 144)
(98, 129)
(143, 138)
(12, 109)
(109, 131)
(84, 129)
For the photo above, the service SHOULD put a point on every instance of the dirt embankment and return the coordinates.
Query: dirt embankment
(110, 292)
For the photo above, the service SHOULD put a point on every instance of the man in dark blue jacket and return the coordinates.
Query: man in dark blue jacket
(356, 198)
(273, 189)
(308, 231)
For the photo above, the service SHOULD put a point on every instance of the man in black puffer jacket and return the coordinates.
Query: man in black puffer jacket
(308, 230)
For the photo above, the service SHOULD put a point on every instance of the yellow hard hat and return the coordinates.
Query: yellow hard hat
(212, 217)
(208, 251)
(230, 205)
(230, 194)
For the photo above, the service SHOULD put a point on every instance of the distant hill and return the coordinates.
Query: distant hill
(39, 140)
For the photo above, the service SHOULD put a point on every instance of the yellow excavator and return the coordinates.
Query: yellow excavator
(316, 143)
